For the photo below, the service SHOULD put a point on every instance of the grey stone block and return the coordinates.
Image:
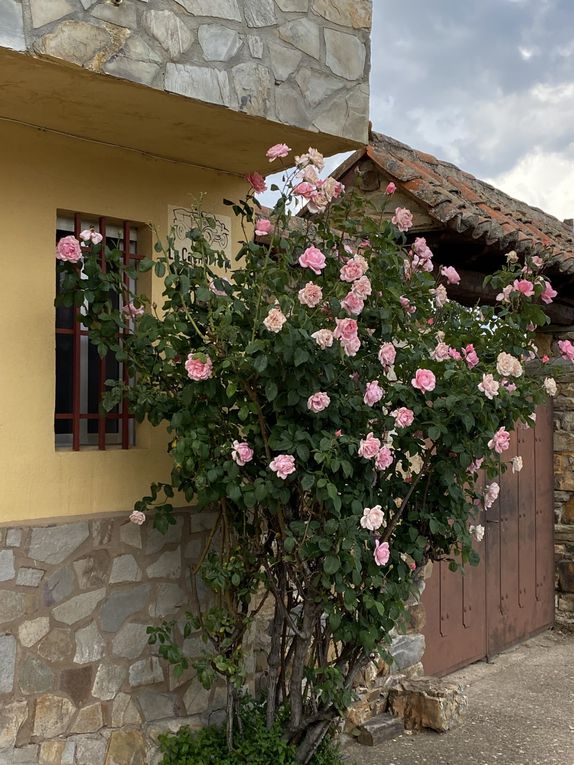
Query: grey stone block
(302, 34)
(7, 662)
(146, 672)
(34, 676)
(78, 607)
(379, 729)
(259, 13)
(29, 577)
(108, 681)
(7, 570)
(121, 604)
(345, 54)
(125, 569)
(223, 9)
(90, 645)
(12, 25)
(218, 43)
(58, 586)
(130, 641)
(53, 544)
(12, 605)
(14, 537)
(169, 30)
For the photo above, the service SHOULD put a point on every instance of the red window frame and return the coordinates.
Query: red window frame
(126, 419)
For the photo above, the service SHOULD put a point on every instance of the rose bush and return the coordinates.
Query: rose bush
(337, 425)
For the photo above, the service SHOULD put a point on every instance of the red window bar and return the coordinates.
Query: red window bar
(75, 330)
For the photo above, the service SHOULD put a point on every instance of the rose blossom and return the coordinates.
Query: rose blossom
(470, 356)
(314, 259)
(477, 532)
(475, 465)
(391, 188)
(403, 218)
(510, 387)
(373, 518)
(381, 553)
(373, 393)
(369, 447)
(241, 453)
(441, 352)
(566, 349)
(550, 386)
(353, 270)
(512, 257)
(319, 401)
(491, 494)
(263, 227)
(275, 320)
(311, 295)
(384, 458)
(524, 286)
(450, 274)
(536, 261)
(137, 517)
(89, 235)
(304, 189)
(352, 303)
(507, 365)
(504, 296)
(362, 287)
(424, 380)
(68, 249)
(500, 441)
(350, 345)
(545, 359)
(387, 354)
(440, 296)
(454, 354)
(311, 157)
(517, 464)
(549, 293)
(406, 304)
(257, 182)
(130, 310)
(197, 369)
(277, 151)
(283, 465)
(403, 417)
(489, 386)
(323, 338)
(346, 329)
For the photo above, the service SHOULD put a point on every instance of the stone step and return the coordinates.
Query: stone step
(379, 729)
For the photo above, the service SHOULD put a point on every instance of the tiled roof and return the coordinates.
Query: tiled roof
(470, 206)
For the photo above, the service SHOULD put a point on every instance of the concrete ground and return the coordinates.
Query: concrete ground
(520, 712)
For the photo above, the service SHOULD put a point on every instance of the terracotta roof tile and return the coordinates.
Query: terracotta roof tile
(466, 204)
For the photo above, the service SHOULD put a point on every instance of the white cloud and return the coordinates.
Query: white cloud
(542, 179)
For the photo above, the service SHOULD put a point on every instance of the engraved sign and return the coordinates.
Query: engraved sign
(216, 230)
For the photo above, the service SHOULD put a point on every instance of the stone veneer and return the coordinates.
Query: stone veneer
(300, 62)
(79, 684)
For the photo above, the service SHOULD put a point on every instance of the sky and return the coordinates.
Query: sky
(485, 84)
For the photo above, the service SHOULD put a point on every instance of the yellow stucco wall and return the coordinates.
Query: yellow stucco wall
(42, 173)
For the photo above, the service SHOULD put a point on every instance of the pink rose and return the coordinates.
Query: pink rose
(373, 518)
(489, 386)
(500, 441)
(89, 235)
(350, 345)
(549, 293)
(406, 304)
(346, 329)
(353, 270)
(304, 189)
(362, 287)
(68, 249)
(314, 259)
(491, 495)
(352, 303)
(369, 447)
(454, 354)
(241, 453)
(274, 320)
(424, 380)
(403, 417)
(263, 227)
(403, 219)
(198, 369)
(311, 295)
(257, 182)
(384, 458)
(382, 553)
(323, 338)
(277, 151)
(441, 352)
(387, 354)
(475, 465)
(391, 188)
(440, 296)
(137, 517)
(470, 356)
(524, 286)
(373, 393)
(319, 401)
(133, 312)
(283, 465)
(566, 349)
(450, 274)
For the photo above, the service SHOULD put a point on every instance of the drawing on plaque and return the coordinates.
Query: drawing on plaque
(216, 229)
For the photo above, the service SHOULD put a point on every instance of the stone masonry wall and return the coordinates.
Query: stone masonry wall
(79, 684)
(301, 62)
(564, 488)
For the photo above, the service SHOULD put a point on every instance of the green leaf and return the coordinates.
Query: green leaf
(331, 565)
(271, 391)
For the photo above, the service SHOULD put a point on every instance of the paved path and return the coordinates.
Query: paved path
(520, 712)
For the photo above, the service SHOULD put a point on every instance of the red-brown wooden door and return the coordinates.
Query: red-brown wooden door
(510, 595)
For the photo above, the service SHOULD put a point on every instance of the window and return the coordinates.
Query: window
(80, 372)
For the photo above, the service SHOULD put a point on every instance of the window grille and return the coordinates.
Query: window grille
(79, 419)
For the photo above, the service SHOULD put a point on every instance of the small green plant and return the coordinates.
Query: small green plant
(255, 744)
